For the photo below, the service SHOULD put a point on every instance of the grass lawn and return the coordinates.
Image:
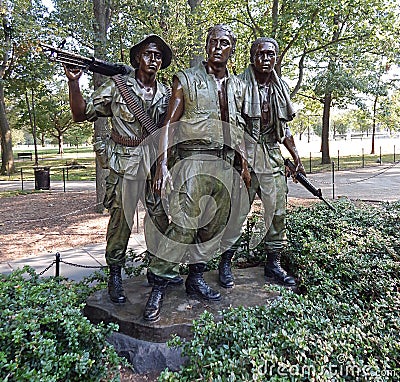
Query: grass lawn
(69, 162)
(74, 164)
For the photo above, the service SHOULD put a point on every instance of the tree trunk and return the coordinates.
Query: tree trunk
(33, 125)
(327, 101)
(7, 157)
(325, 129)
(275, 17)
(198, 48)
(101, 23)
(60, 139)
(374, 126)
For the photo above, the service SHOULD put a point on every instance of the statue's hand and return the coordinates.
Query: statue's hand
(162, 179)
(73, 74)
(299, 169)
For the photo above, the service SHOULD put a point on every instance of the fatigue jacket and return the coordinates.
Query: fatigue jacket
(107, 101)
(200, 124)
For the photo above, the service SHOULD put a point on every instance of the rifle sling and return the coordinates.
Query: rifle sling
(148, 125)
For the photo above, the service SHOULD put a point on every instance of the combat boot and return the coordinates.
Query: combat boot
(115, 289)
(153, 306)
(197, 286)
(225, 272)
(274, 269)
(176, 281)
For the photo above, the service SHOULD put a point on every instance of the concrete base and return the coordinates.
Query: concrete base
(147, 357)
(178, 310)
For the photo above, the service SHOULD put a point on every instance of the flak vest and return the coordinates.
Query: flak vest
(200, 126)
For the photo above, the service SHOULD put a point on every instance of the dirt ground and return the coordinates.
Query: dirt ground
(39, 223)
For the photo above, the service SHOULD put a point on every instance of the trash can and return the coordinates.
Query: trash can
(42, 178)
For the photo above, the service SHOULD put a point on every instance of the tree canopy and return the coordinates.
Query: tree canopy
(333, 53)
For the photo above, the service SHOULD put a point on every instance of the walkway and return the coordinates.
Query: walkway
(380, 183)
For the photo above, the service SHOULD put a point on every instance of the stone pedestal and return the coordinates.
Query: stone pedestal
(142, 343)
(178, 310)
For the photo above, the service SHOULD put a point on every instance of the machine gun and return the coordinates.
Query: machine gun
(72, 60)
(307, 184)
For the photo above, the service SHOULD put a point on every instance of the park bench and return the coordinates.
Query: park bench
(24, 155)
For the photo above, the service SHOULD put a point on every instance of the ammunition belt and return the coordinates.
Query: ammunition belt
(125, 141)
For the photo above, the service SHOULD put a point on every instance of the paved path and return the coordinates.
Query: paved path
(381, 183)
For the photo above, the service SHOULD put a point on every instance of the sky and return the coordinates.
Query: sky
(48, 4)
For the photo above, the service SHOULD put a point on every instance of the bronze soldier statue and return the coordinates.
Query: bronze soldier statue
(204, 121)
(129, 162)
(267, 115)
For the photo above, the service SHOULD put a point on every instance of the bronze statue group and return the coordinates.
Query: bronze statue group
(218, 147)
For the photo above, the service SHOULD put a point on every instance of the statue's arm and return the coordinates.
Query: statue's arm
(174, 113)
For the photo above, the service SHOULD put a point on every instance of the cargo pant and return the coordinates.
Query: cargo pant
(121, 199)
(273, 197)
(199, 208)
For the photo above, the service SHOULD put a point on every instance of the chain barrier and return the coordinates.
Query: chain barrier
(83, 266)
(47, 268)
(59, 260)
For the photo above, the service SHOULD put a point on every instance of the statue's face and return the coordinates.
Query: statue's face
(219, 47)
(150, 58)
(264, 58)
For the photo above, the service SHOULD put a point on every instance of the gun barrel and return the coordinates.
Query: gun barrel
(307, 184)
(85, 63)
(59, 54)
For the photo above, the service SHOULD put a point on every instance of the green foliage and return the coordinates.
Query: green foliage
(342, 325)
(45, 336)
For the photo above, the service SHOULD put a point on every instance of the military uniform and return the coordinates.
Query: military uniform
(204, 146)
(130, 165)
(267, 110)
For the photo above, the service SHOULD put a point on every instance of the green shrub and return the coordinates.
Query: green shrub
(45, 337)
(342, 325)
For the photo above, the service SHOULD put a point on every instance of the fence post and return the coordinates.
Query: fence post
(57, 264)
(64, 178)
(22, 181)
(394, 153)
(363, 158)
(380, 155)
(338, 165)
(333, 180)
(310, 162)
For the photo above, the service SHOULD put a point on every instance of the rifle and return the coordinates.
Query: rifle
(307, 184)
(72, 60)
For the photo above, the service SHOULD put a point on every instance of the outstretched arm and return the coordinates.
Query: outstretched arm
(76, 101)
(174, 113)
